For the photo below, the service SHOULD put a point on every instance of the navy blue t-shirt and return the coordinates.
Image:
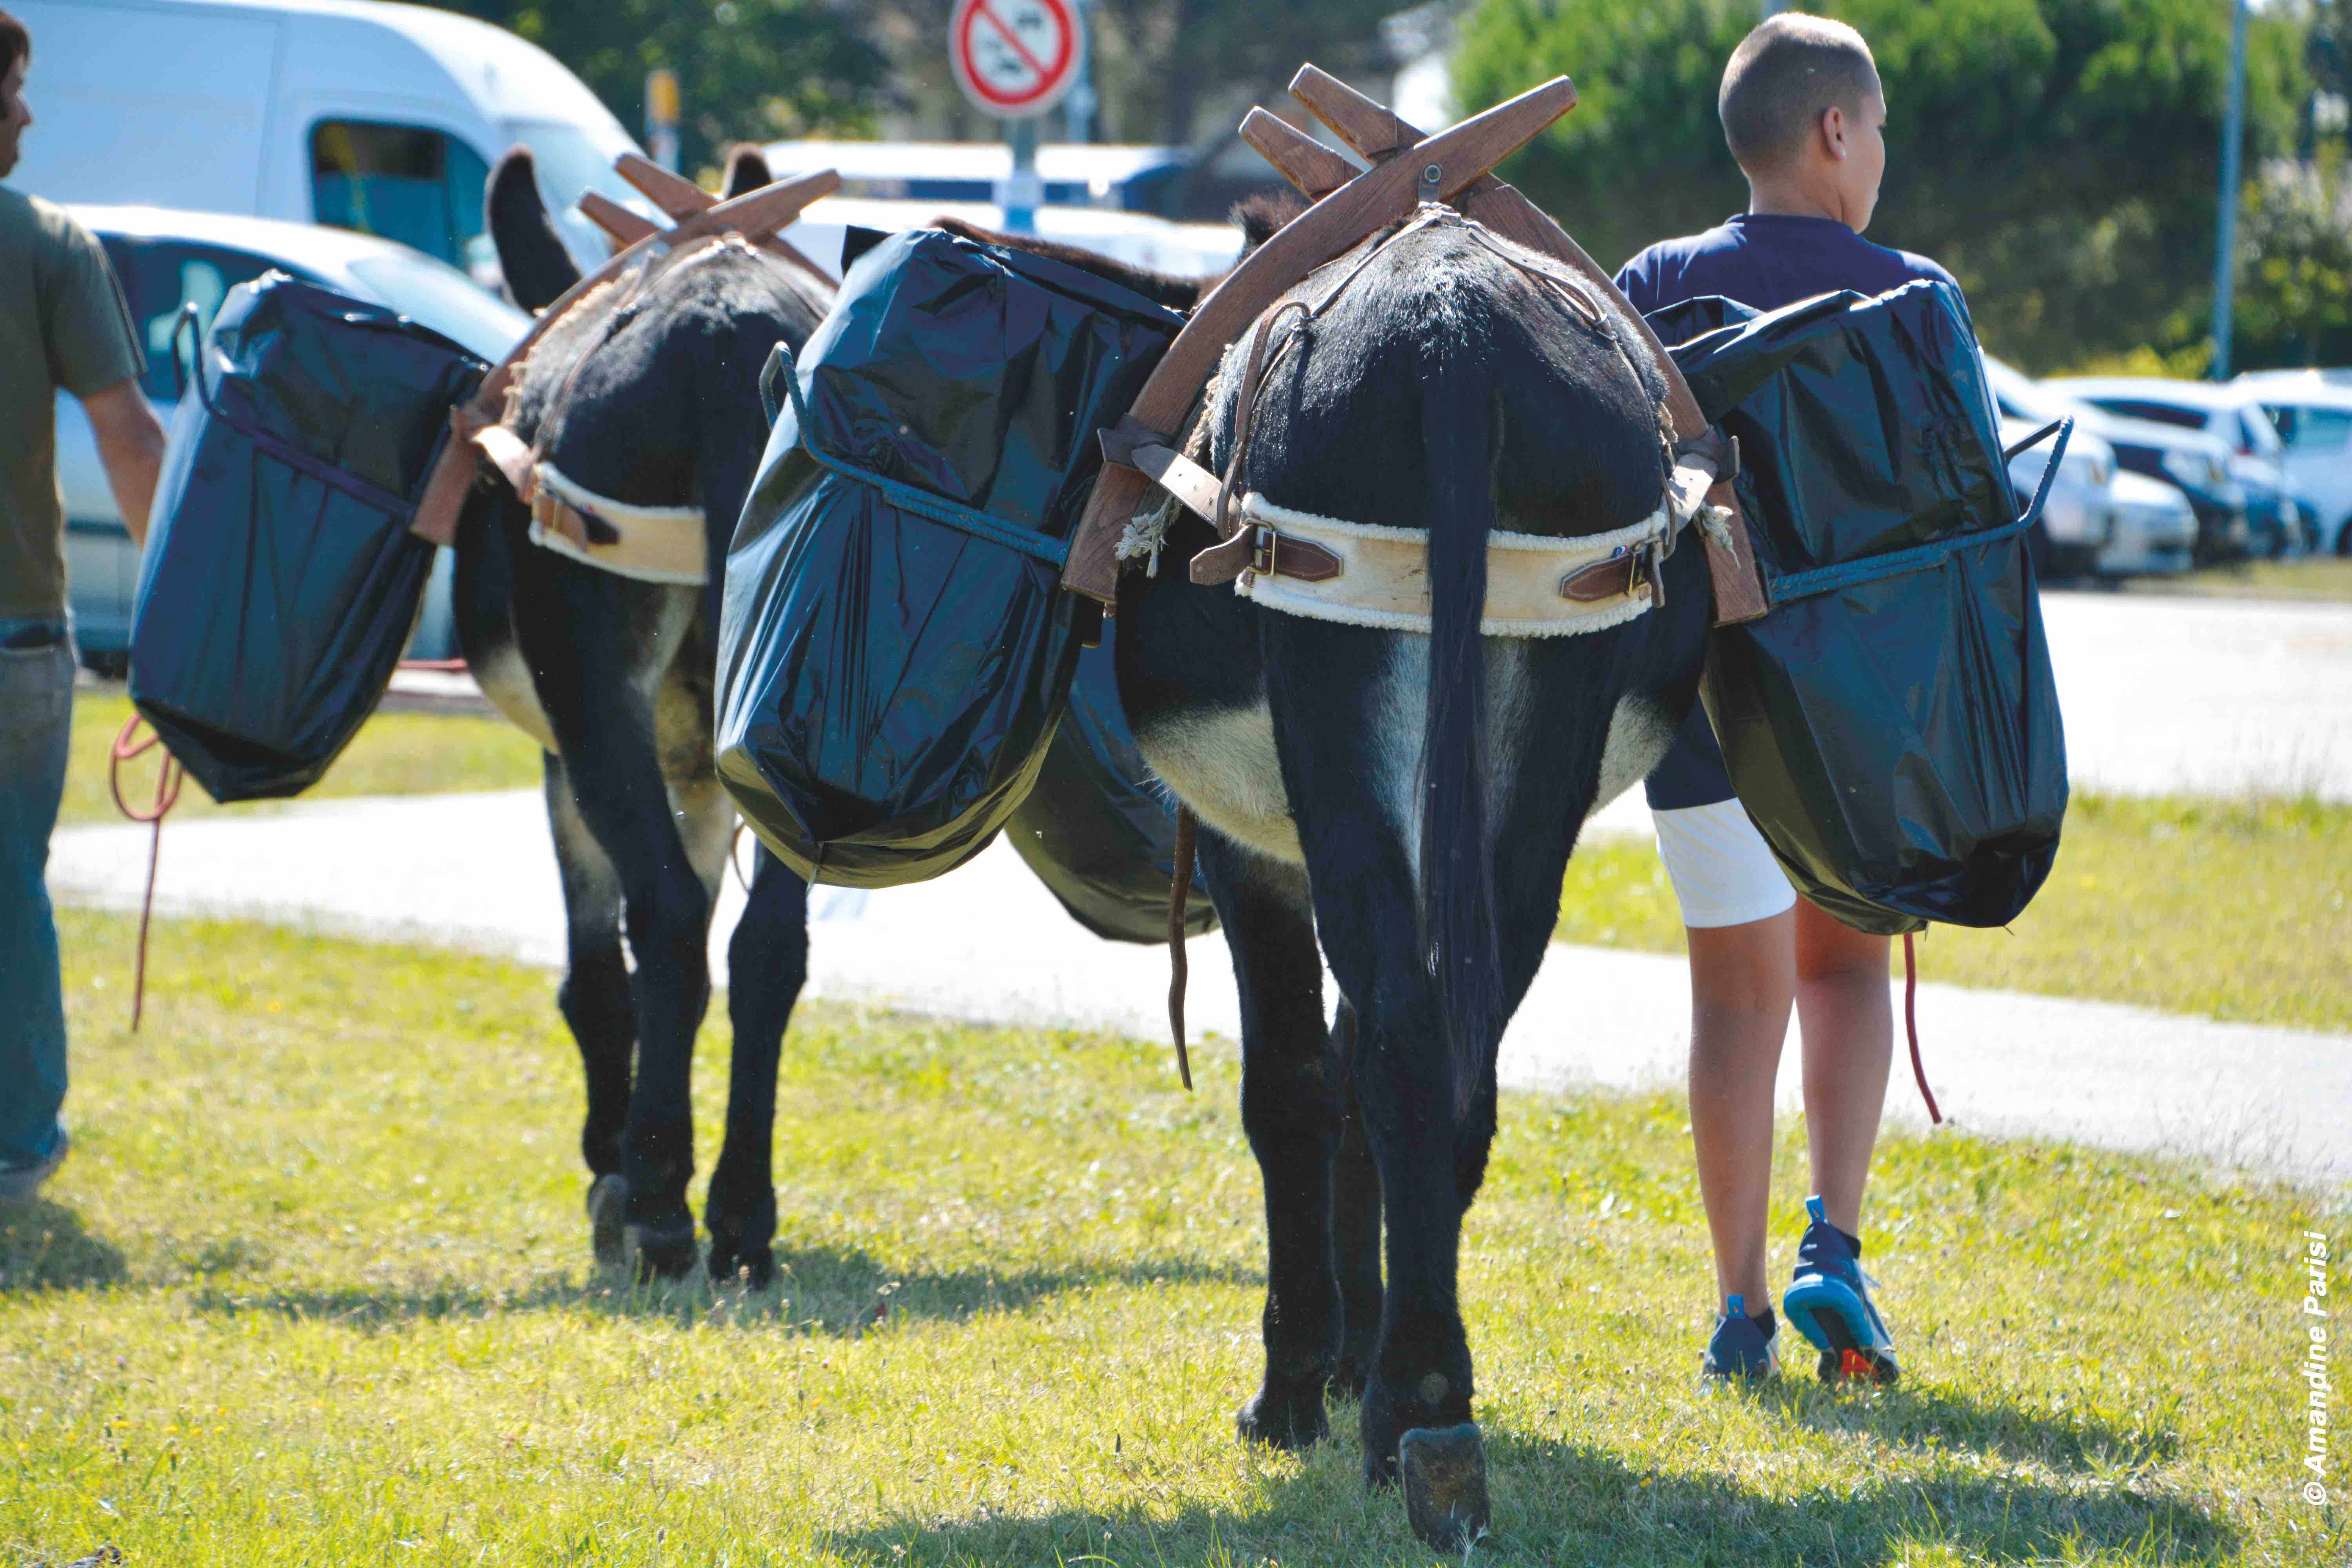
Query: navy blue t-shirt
(1764, 260)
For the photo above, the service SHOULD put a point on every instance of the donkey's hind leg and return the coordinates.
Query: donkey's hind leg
(767, 964)
(595, 1001)
(1291, 1109)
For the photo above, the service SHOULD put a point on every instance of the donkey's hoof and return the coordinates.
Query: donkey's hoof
(1283, 1419)
(608, 1198)
(667, 1254)
(1444, 1474)
(754, 1270)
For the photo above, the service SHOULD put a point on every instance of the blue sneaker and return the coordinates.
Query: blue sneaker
(1830, 1302)
(1742, 1347)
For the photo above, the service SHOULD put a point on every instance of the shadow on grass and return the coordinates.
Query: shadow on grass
(836, 1292)
(43, 1246)
(1556, 1501)
(1922, 1415)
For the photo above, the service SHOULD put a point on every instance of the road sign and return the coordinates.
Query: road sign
(1015, 58)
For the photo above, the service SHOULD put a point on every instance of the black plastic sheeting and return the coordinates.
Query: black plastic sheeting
(895, 648)
(1098, 828)
(280, 581)
(1892, 727)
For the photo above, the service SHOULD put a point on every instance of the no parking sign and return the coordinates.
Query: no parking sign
(1015, 58)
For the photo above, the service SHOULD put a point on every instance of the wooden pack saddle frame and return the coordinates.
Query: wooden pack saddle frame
(478, 424)
(1407, 170)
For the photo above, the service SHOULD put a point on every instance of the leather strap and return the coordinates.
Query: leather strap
(1256, 547)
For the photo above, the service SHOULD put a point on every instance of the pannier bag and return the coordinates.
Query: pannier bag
(1098, 828)
(1892, 726)
(895, 648)
(281, 581)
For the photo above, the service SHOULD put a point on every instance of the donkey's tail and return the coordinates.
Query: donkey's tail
(1460, 430)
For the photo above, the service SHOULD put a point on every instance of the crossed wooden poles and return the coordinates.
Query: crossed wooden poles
(697, 215)
(1407, 169)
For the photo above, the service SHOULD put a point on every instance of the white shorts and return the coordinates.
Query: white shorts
(1723, 872)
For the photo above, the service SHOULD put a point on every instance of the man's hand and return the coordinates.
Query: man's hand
(130, 444)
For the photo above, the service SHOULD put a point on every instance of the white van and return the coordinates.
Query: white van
(380, 117)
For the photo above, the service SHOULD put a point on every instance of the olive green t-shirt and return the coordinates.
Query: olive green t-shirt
(63, 322)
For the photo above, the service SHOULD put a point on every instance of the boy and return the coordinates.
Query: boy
(1801, 108)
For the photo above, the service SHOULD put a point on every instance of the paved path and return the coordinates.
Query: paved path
(988, 944)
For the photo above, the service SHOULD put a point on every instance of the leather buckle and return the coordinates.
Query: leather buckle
(1263, 542)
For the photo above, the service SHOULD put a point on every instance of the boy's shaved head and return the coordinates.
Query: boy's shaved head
(1780, 78)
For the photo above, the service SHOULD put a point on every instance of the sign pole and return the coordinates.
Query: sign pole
(1025, 190)
(2225, 239)
(661, 116)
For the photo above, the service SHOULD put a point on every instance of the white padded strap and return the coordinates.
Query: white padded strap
(1384, 578)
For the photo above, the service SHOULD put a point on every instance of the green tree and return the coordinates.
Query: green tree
(2060, 157)
(751, 70)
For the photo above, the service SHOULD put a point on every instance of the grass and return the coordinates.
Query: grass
(393, 753)
(2314, 577)
(312, 1290)
(2231, 910)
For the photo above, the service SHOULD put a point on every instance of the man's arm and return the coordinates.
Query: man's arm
(130, 444)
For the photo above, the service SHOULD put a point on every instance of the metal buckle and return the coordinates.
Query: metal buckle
(1262, 548)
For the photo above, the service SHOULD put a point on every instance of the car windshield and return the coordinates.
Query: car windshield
(445, 300)
(2308, 429)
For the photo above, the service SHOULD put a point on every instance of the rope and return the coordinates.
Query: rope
(1179, 884)
(1911, 1027)
(168, 779)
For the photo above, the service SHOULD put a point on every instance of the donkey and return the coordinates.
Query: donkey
(1409, 799)
(646, 393)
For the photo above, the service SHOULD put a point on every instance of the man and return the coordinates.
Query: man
(63, 322)
(1803, 109)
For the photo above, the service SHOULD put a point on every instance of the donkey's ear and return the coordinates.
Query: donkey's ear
(531, 253)
(746, 169)
(1261, 216)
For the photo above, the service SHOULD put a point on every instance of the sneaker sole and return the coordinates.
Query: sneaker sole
(1827, 1314)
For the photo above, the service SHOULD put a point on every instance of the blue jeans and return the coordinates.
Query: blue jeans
(36, 675)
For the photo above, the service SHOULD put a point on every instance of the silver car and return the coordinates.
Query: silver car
(167, 259)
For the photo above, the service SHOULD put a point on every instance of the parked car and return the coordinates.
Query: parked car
(2312, 411)
(2230, 413)
(168, 259)
(2154, 529)
(2077, 519)
(380, 117)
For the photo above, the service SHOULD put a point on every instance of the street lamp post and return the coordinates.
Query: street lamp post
(2225, 239)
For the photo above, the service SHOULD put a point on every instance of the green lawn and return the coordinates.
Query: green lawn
(312, 1290)
(2233, 909)
(2316, 577)
(393, 753)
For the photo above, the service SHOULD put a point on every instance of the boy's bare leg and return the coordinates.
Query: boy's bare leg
(1848, 1023)
(1740, 993)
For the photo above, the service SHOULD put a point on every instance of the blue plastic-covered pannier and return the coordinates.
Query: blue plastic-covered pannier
(895, 648)
(280, 580)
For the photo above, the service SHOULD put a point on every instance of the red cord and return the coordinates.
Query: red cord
(168, 779)
(1911, 1027)
(435, 666)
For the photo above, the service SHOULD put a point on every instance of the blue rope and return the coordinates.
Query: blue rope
(1918, 558)
(906, 497)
